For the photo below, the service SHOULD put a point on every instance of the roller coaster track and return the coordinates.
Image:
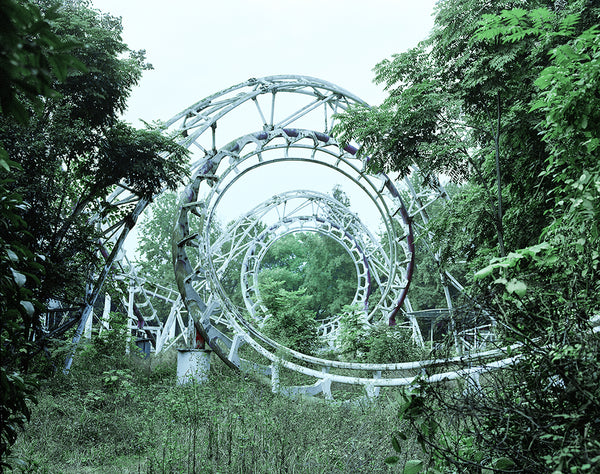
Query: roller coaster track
(286, 121)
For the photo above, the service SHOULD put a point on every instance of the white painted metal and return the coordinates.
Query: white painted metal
(223, 159)
(265, 109)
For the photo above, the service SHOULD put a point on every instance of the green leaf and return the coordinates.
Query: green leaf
(535, 249)
(513, 257)
(485, 272)
(516, 286)
(396, 444)
(28, 307)
(391, 460)
(504, 463)
(12, 256)
(3, 163)
(413, 466)
(18, 277)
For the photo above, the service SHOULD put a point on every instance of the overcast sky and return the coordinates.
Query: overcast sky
(199, 47)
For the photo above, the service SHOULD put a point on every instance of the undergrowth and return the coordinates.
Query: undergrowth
(125, 414)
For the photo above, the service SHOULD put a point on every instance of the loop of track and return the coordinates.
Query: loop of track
(231, 330)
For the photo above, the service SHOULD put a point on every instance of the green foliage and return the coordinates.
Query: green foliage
(330, 275)
(513, 26)
(19, 270)
(458, 105)
(538, 414)
(378, 344)
(305, 277)
(15, 407)
(316, 263)
(105, 350)
(387, 344)
(230, 424)
(286, 260)
(138, 158)
(154, 238)
(65, 76)
(291, 323)
(352, 332)
(31, 56)
(78, 150)
(154, 234)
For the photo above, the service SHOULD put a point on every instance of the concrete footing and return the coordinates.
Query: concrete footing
(193, 366)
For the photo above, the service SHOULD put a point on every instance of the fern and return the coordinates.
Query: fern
(499, 62)
(568, 23)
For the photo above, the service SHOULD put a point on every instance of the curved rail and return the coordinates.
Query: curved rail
(233, 332)
(290, 119)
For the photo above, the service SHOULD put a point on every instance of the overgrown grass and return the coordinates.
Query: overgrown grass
(116, 414)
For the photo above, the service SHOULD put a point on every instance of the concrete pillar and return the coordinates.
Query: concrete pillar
(193, 366)
(105, 314)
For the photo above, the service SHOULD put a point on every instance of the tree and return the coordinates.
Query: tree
(154, 261)
(66, 76)
(330, 276)
(561, 338)
(291, 322)
(316, 264)
(286, 261)
(378, 344)
(539, 414)
(457, 105)
(154, 239)
(352, 333)
(78, 150)
(30, 56)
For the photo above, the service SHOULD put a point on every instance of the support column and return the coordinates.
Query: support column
(87, 332)
(105, 314)
(193, 366)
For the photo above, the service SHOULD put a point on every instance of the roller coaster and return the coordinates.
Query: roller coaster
(286, 124)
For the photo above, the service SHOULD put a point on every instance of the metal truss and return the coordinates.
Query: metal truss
(206, 255)
(285, 120)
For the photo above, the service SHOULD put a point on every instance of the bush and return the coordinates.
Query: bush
(387, 344)
(291, 322)
(378, 344)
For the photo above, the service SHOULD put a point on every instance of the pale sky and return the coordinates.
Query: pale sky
(199, 47)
